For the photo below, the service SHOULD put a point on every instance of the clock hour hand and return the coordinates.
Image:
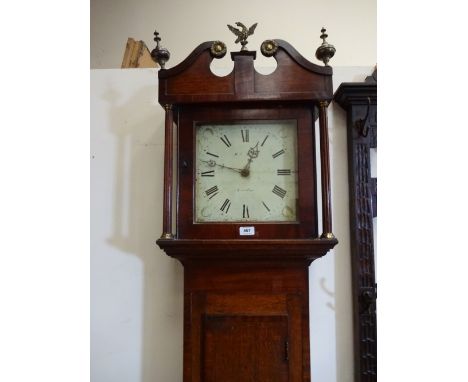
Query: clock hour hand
(246, 170)
(252, 153)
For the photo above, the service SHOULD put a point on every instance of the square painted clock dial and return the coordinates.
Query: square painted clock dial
(246, 172)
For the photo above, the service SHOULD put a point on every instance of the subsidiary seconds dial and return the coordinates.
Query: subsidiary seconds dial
(246, 171)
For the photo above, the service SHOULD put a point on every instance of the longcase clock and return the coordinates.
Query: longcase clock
(246, 205)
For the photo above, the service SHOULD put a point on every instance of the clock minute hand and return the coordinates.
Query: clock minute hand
(230, 168)
(212, 163)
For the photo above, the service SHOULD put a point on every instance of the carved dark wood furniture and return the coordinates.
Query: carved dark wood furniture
(246, 307)
(359, 99)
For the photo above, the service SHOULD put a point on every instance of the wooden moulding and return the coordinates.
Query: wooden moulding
(291, 250)
(295, 79)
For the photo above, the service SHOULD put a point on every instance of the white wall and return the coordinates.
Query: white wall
(136, 290)
(183, 25)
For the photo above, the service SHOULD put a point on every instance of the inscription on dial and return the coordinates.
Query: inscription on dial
(208, 173)
(245, 211)
(225, 206)
(226, 141)
(278, 153)
(279, 191)
(245, 135)
(212, 191)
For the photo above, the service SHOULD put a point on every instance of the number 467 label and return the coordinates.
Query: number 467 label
(246, 231)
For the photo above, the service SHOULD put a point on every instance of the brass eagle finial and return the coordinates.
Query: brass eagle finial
(243, 33)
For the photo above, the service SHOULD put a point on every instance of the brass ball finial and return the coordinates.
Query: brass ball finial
(218, 49)
(325, 51)
(159, 54)
(269, 48)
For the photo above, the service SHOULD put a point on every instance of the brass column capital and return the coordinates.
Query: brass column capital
(167, 236)
(323, 103)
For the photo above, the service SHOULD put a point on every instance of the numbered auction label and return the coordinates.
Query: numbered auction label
(246, 231)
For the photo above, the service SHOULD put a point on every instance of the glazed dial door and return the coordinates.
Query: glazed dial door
(246, 171)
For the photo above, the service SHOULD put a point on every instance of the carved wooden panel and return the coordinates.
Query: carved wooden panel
(360, 102)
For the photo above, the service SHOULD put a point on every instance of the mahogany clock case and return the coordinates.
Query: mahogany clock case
(189, 116)
(246, 304)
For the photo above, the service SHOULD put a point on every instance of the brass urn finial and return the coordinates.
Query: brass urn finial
(325, 51)
(242, 34)
(159, 54)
